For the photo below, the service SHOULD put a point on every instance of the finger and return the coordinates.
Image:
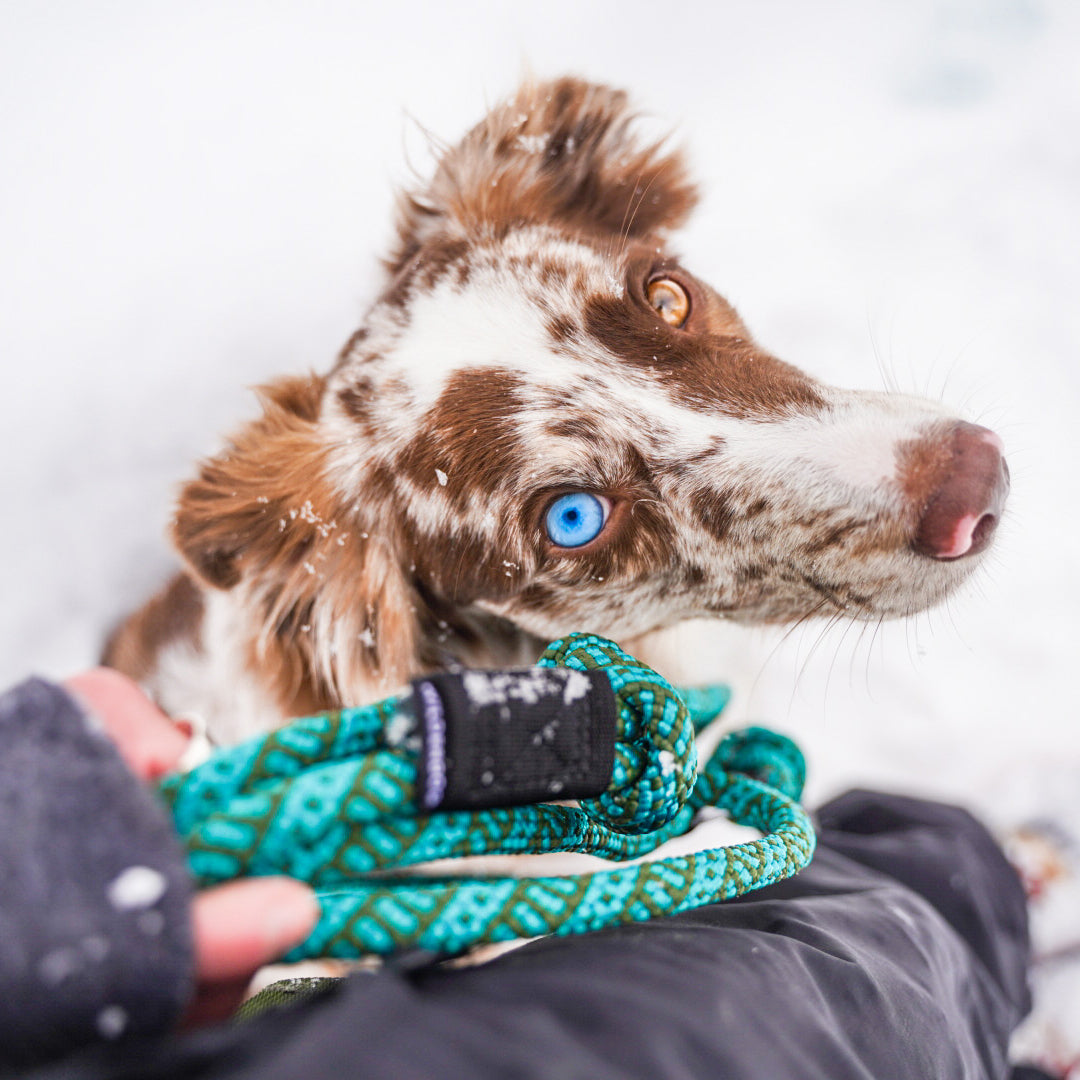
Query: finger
(147, 739)
(245, 924)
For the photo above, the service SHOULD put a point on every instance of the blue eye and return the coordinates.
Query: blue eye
(575, 519)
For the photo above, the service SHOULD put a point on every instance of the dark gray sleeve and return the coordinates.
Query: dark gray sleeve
(95, 935)
(899, 954)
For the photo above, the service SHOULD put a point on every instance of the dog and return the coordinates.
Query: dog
(546, 423)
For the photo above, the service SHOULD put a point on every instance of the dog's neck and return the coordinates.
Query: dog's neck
(455, 638)
(448, 638)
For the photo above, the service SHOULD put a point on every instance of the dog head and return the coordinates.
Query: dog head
(547, 423)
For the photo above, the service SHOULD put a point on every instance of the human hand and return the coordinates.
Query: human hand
(238, 927)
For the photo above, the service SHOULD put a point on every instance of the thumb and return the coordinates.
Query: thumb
(245, 924)
(147, 739)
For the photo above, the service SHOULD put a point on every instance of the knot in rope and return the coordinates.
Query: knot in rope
(655, 756)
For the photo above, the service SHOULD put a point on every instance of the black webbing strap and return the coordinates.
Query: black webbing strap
(508, 738)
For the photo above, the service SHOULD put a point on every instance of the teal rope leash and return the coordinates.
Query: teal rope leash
(342, 801)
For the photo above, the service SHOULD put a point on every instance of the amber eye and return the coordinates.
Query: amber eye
(670, 300)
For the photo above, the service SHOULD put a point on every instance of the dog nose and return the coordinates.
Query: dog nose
(962, 512)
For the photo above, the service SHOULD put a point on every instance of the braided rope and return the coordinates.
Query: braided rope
(333, 800)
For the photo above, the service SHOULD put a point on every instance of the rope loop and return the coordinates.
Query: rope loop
(766, 756)
(336, 800)
(655, 755)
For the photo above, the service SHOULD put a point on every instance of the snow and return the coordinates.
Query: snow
(111, 1021)
(484, 688)
(59, 964)
(136, 887)
(194, 199)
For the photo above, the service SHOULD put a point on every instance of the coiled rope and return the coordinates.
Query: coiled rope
(349, 800)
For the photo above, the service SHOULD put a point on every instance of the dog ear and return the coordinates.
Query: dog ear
(235, 515)
(559, 152)
(326, 600)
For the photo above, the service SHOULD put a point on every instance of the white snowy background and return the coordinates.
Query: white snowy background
(193, 198)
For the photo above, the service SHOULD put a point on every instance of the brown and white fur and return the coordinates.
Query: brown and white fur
(385, 519)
